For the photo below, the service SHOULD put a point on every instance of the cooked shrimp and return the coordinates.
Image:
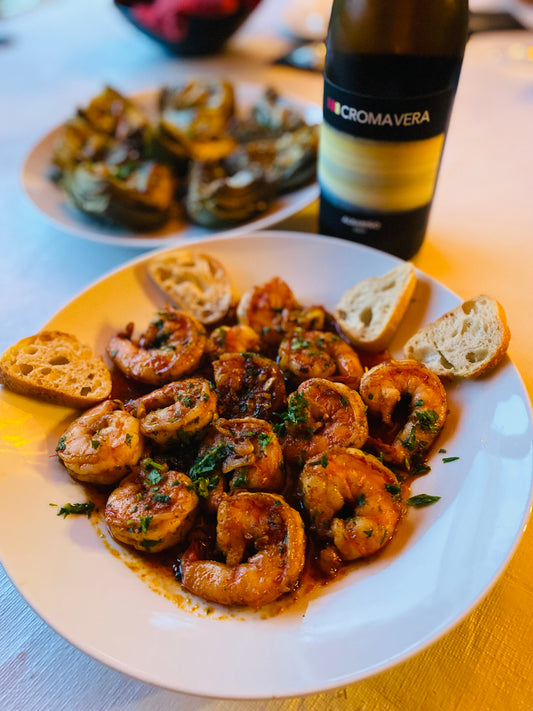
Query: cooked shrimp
(272, 310)
(172, 346)
(263, 542)
(322, 414)
(266, 309)
(353, 501)
(384, 386)
(248, 385)
(319, 354)
(232, 339)
(177, 411)
(152, 508)
(102, 445)
(240, 453)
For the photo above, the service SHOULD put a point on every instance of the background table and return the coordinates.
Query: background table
(480, 240)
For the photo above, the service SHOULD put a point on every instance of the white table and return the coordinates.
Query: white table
(480, 240)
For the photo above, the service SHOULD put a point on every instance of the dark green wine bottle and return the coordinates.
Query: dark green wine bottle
(391, 73)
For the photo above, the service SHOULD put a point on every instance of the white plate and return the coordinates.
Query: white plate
(443, 560)
(54, 205)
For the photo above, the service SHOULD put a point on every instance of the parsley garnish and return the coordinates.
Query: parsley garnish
(427, 419)
(202, 472)
(145, 522)
(394, 490)
(420, 500)
(68, 509)
(297, 412)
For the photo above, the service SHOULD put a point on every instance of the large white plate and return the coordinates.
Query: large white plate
(444, 559)
(54, 205)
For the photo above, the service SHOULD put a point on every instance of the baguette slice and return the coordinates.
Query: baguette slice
(54, 366)
(196, 283)
(370, 311)
(465, 342)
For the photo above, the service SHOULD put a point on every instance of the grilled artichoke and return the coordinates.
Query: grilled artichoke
(227, 191)
(288, 161)
(110, 129)
(192, 123)
(136, 195)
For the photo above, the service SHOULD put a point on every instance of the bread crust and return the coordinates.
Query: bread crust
(468, 341)
(56, 367)
(195, 283)
(370, 312)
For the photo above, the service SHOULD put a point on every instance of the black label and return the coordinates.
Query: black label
(385, 119)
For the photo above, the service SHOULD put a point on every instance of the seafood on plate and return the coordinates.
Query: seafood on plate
(262, 540)
(353, 502)
(151, 509)
(171, 346)
(255, 445)
(385, 388)
(102, 445)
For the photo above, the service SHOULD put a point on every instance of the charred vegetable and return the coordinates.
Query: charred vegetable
(193, 121)
(111, 128)
(115, 115)
(270, 117)
(227, 191)
(136, 195)
(290, 160)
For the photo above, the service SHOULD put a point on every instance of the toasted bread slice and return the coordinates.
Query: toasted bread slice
(465, 342)
(54, 366)
(370, 311)
(195, 283)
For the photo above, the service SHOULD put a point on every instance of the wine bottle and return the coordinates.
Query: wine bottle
(390, 78)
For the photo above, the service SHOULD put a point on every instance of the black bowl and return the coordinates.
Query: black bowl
(189, 34)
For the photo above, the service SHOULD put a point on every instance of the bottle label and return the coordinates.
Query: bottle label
(380, 154)
(386, 119)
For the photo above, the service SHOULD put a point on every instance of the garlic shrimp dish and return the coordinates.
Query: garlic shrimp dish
(258, 455)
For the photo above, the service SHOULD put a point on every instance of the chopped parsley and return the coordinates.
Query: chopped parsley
(203, 472)
(68, 509)
(298, 410)
(420, 500)
(394, 490)
(428, 419)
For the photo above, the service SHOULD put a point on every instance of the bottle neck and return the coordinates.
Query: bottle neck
(399, 27)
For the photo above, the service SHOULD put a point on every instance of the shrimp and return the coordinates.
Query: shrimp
(384, 387)
(353, 501)
(266, 309)
(232, 339)
(102, 445)
(248, 385)
(272, 310)
(319, 354)
(177, 411)
(322, 414)
(245, 452)
(152, 508)
(263, 542)
(172, 346)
